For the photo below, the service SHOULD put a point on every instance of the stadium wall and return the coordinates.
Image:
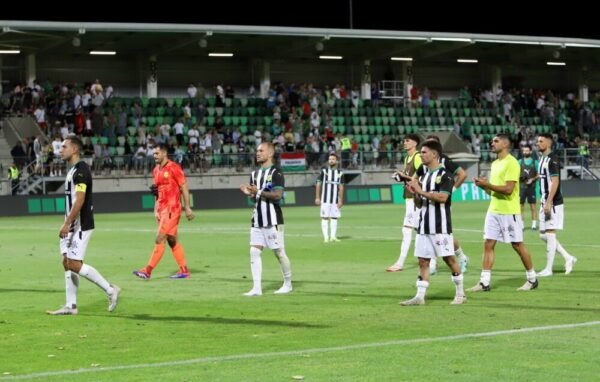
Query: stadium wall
(232, 198)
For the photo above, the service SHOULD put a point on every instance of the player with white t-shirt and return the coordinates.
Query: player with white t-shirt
(330, 196)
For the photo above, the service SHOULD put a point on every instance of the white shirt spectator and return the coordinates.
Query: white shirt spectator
(192, 91)
(193, 135)
(40, 115)
(178, 127)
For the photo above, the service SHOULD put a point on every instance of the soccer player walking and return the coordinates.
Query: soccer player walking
(169, 186)
(330, 196)
(551, 213)
(266, 189)
(412, 162)
(459, 175)
(77, 230)
(503, 220)
(434, 231)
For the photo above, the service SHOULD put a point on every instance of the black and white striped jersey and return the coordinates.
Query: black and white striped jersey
(331, 179)
(436, 217)
(79, 179)
(548, 167)
(267, 212)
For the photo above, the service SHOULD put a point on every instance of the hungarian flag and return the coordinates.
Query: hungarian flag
(293, 161)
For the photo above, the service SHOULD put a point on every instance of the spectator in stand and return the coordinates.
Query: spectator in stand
(192, 91)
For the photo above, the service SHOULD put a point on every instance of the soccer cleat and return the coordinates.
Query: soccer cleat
(534, 228)
(413, 301)
(113, 298)
(544, 273)
(529, 285)
(64, 311)
(394, 268)
(569, 265)
(186, 275)
(334, 239)
(463, 264)
(480, 288)
(253, 293)
(458, 300)
(142, 274)
(326, 240)
(284, 289)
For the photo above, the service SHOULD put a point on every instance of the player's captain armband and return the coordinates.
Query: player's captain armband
(81, 187)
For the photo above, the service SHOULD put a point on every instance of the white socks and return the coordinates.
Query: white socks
(325, 229)
(286, 267)
(333, 223)
(550, 250)
(94, 276)
(422, 289)
(256, 268)
(531, 276)
(460, 255)
(405, 246)
(486, 277)
(559, 248)
(458, 283)
(71, 285)
(533, 224)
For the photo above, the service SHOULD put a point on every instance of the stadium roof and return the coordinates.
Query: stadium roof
(73, 39)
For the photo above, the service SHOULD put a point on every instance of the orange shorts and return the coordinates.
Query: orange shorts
(168, 222)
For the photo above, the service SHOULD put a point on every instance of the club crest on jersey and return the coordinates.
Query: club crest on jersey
(438, 180)
(166, 174)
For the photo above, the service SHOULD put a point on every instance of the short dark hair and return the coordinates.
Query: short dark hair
(413, 137)
(432, 144)
(547, 136)
(504, 136)
(75, 140)
(434, 137)
(162, 147)
(332, 154)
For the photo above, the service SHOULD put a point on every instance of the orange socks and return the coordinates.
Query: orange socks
(180, 258)
(157, 254)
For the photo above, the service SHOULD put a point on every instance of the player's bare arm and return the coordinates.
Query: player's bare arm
(185, 192)
(318, 194)
(341, 196)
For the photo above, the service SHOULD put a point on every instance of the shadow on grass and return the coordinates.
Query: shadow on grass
(10, 290)
(217, 320)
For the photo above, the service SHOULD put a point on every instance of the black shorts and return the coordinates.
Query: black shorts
(528, 193)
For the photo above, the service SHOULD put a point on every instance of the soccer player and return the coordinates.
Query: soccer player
(552, 207)
(266, 189)
(330, 196)
(169, 185)
(459, 175)
(434, 232)
(412, 162)
(527, 183)
(503, 220)
(77, 230)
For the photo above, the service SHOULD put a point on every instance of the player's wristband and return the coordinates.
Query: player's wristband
(453, 189)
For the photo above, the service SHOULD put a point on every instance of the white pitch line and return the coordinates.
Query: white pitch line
(244, 231)
(235, 357)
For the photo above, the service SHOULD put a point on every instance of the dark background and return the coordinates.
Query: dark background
(489, 17)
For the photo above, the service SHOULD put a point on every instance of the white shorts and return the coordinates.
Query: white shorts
(330, 210)
(411, 215)
(270, 237)
(75, 244)
(503, 228)
(557, 214)
(432, 246)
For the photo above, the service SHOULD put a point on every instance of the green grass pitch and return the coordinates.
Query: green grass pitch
(341, 323)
